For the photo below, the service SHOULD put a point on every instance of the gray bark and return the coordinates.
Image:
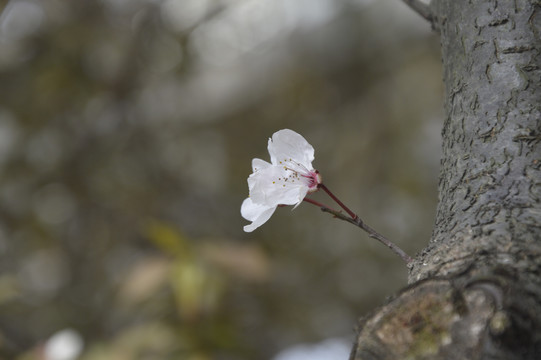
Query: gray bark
(475, 290)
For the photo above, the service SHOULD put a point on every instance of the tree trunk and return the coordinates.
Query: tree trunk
(475, 290)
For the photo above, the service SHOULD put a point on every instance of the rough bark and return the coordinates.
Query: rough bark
(475, 290)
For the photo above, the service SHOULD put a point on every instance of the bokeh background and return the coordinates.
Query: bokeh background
(127, 129)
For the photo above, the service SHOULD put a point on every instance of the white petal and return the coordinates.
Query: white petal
(287, 144)
(302, 194)
(258, 164)
(66, 344)
(268, 187)
(257, 213)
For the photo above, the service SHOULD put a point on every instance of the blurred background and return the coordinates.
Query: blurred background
(127, 129)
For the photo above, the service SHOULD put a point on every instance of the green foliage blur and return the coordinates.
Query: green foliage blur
(127, 129)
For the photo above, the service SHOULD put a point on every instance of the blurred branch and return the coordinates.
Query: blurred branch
(421, 8)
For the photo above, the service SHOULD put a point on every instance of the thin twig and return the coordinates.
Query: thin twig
(317, 203)
(420, 8)
(326, 189)
(357, 221)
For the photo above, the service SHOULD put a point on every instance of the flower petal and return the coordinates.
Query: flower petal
(256, 213)
(272, 186)
(287, 144)
(284, 181)
(258, 164)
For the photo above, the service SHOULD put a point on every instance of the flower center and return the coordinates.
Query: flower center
(314, 179)
(299, 172)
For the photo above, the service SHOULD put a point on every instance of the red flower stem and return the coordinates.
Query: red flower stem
(318, 204)
(350, 213)
(357, 221)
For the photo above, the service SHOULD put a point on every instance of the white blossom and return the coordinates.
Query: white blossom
(286, 180)
(63, 345)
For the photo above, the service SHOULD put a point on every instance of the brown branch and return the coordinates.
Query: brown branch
(356, 220)
(371, 232)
